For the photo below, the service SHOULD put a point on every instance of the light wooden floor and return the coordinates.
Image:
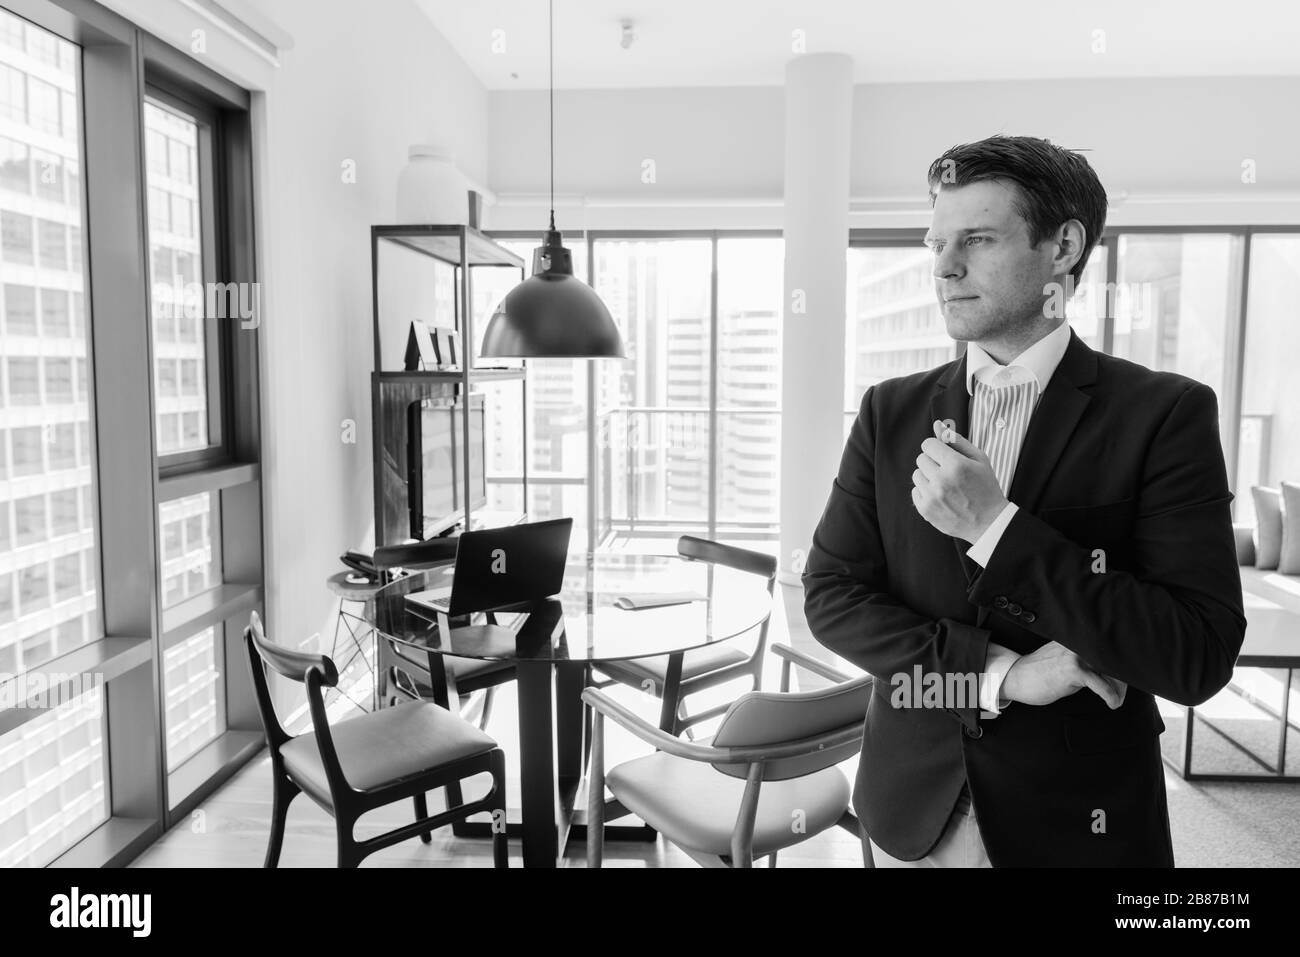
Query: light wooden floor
(231, 828)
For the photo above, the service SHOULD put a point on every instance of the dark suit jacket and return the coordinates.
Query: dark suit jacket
(1117, 458)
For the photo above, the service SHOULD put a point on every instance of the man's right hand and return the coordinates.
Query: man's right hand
(1054, 671)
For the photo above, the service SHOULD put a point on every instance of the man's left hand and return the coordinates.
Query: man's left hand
(955, 489)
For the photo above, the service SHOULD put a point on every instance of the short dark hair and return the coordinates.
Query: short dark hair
(1055, 184)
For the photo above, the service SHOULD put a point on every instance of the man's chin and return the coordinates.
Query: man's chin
(967, 321)
(960, 330)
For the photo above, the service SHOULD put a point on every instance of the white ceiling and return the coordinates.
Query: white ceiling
(747, 42)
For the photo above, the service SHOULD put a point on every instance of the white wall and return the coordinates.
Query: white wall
(1174, 146)
(359, 88)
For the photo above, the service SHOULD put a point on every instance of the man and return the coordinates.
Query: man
(1048, 521)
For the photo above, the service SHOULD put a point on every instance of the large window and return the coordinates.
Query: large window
(130, 503)
(52, 768)
(53, 789)
(687, 426)
(177, 255)
(748, 406)
(1269, 447)
(656, 402)
(894, 326)
(1177, 307)
(1176, 302)
(1086, 309)
(186, 529)
(653, 407)
(192, 696)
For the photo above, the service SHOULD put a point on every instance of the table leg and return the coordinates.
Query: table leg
(572, 741)
(1281, 741)
(672, 688)
(539, 794)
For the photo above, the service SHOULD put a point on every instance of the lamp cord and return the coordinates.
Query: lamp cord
(550, 21)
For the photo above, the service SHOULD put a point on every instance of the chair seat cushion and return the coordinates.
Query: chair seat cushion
(696, 662)
(696, 807)
(385, 746)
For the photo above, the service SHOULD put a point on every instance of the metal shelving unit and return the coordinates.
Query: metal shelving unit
(465, 249)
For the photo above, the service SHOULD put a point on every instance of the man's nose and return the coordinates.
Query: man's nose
(948, 263)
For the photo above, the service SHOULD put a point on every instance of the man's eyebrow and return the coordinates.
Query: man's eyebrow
(928, 240)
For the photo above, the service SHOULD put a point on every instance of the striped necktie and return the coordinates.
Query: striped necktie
(1003, 401)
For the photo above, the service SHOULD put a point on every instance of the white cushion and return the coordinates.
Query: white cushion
(1289, 553)
(1268, 526)
(695, 806)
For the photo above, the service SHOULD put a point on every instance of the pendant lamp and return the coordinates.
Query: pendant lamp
(552, 314)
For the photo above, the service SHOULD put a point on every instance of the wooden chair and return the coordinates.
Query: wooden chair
(766, 781)
(406, 674)
(701, 668)
(371, 760)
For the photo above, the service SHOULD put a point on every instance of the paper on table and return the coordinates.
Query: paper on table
(657, 599)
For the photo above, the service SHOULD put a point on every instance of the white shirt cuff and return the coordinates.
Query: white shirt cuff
(982, 550)
(997, 663)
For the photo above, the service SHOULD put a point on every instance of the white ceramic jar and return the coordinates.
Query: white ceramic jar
(430, 189)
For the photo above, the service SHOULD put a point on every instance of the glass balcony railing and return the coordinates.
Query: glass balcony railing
(671, 470)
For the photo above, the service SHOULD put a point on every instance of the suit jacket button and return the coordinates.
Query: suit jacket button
(1029, 617)
(977, 733)
(1014, 608)
(1000, 601)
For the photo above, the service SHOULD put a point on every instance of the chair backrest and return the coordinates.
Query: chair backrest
(436, 551)
(766, 718)
(263, 653)
(741, 559)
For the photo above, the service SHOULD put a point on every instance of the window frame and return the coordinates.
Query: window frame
(214, 266)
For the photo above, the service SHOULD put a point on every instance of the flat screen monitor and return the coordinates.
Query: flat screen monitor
(437, 466)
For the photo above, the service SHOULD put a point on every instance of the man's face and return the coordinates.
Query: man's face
(987, 277)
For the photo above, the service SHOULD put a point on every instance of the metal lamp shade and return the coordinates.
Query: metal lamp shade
(552, 314)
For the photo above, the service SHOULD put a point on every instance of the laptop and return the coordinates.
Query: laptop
(498, 568)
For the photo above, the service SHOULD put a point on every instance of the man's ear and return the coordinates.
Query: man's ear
(1069, 239)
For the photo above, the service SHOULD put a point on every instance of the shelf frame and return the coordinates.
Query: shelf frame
(464, 248)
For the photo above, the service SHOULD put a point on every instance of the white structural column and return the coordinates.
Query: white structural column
(818, 122)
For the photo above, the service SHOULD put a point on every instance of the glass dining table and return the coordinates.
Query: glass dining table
(553, 645)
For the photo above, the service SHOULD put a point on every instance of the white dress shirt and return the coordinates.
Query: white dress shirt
(1003, 400)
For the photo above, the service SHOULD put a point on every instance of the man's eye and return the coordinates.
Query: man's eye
(974, 239)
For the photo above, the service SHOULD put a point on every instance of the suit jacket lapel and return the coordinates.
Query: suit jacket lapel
(952, 401)
(1054, 421)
